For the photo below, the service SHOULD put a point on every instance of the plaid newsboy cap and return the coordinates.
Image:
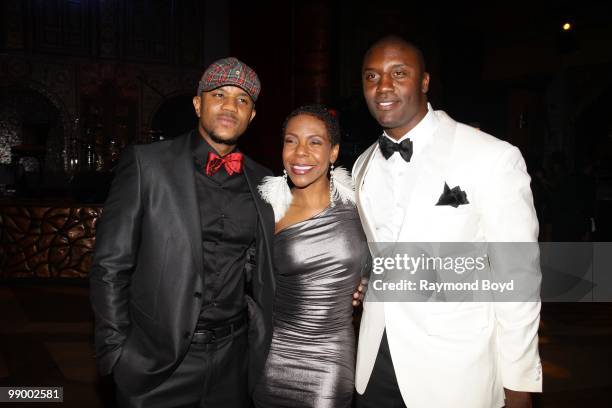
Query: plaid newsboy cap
(230, 71)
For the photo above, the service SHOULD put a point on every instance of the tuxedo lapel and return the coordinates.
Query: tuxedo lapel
(366, 222)
(431, 171)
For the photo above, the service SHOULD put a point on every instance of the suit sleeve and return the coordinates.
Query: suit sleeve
(115, 254)
(511, 226)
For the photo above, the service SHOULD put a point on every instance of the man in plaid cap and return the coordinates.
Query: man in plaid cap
(182, 267)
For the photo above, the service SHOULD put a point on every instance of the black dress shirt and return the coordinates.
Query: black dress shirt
(229, 222)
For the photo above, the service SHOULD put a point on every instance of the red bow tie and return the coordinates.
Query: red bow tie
(232, 163)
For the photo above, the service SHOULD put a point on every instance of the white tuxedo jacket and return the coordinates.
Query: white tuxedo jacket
(457, 354)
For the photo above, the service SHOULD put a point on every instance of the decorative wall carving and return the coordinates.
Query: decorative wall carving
(46, 241)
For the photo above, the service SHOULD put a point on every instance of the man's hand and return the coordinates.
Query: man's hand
(360, 292)
(517, 399)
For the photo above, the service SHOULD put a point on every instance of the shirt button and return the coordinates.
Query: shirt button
(186, 335)
(214, 304)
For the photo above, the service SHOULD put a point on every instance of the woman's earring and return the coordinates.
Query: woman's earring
(331, 185)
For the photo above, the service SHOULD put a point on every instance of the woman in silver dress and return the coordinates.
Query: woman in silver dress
(320, 254)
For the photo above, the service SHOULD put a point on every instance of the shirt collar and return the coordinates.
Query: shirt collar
(419, 134)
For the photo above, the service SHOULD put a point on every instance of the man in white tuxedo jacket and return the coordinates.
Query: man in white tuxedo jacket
(472, 355)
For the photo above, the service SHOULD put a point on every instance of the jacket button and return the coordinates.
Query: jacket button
(197, 295)
(186, 335)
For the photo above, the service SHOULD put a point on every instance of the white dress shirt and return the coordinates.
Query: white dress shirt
(385, 191)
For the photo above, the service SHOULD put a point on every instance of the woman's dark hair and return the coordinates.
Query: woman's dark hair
(322, 113)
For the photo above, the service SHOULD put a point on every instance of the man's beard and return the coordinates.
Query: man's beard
(230, 142)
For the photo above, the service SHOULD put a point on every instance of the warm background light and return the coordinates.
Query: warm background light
(567, 26)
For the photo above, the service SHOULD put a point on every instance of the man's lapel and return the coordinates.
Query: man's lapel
(264, 210)
(181, 174)
(431, 171)
(366, 221)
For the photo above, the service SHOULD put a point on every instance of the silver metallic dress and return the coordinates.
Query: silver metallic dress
(318, 264)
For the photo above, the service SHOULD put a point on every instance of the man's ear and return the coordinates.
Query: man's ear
(425, 83)
(252, 115)
(196, 104)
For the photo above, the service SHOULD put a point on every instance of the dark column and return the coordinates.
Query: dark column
(312, 52)
(261, 37)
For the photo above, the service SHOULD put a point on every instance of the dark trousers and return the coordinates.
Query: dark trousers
(382, 390)
(211, 375)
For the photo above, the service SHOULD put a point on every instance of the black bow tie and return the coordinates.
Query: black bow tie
(388, 147)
